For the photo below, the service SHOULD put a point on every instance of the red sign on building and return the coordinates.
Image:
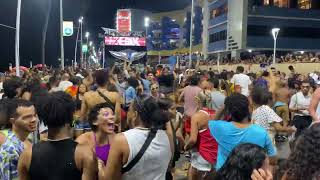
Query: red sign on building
(124, 20)
(124, 41)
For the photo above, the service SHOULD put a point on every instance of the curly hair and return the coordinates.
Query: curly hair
(237, 106)
(241, 162)
(304, 161)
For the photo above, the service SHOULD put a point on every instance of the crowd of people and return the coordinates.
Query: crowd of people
(263, 59)
(127, 123)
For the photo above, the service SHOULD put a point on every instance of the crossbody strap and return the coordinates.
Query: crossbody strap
(143, 149)
(108, 101)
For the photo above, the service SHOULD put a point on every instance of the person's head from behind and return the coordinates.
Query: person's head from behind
(65, 77)
(167, 105)
(22, 115)
(4, 120)
(53, 82)
(304, 160)
(291, 68)
(215, 83)
(101, 77)
(265, 74)
(203, 99)
(133, 82)
(194, 80)
(101, 118)
(237, 106)
(241, 162)
(260, 96)
(240, 69)
(165, 71)
(305, 87)
(57, 110)
(12, 88)
(146, 111)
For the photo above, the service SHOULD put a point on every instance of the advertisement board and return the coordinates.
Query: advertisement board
(67, 28)
(124, 41)
(124, 20)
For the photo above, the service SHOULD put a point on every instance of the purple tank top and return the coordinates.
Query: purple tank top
(102, 152)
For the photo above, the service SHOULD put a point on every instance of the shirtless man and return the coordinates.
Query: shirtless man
(281, 107)
(101, 95)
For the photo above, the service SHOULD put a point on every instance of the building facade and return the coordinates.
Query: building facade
(237, 26)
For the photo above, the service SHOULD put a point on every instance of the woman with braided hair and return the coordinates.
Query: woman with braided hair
(240, 130)
(145, 151)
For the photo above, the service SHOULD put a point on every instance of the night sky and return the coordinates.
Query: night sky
(97, 13)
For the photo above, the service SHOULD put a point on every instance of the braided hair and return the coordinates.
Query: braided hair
(57, 110)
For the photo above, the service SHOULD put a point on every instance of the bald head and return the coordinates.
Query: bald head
(65, 77)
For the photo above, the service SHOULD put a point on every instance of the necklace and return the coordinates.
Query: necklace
(142, 128)
(61, 139)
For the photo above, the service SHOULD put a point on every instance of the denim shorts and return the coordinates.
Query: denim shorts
(82, 125)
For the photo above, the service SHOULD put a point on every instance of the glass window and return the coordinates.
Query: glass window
(218, 36)
(288, 32)
(281, 3)
(304, 4)
(219, 11)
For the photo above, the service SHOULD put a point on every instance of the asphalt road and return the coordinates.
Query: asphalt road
(283, 151)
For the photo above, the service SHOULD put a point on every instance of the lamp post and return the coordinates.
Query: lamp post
(17, 44)
(61, 35)
(275, 32)
(191, 32)
(87, 36)
(76, 48)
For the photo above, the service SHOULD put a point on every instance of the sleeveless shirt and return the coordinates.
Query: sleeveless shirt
(154, 162)
(52, 160)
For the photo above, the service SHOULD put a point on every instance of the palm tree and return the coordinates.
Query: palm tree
(44, 32)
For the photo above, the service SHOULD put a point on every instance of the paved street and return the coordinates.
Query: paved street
(283, 150)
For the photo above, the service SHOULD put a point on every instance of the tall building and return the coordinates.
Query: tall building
(236, 26)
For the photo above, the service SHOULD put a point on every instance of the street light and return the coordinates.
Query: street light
(61, 35)
(275, 32)
(87, 36)
(76, 47)
(17, 44)
(191, 32)
(146, 24)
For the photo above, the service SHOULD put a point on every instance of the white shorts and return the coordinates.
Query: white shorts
(198, 162)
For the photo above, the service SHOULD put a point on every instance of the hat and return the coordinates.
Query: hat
(80, 76)
(314, 77)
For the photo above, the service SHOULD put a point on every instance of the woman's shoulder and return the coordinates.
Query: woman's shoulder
(85, 138)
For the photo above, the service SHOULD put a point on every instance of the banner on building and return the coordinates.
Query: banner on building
(123, 20)
(125, 41)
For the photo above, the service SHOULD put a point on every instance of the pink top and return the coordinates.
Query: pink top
(190, 103)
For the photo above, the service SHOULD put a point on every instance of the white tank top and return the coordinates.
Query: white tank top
(154, 162)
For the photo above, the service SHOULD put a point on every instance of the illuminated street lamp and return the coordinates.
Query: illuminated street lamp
(87, 36)
(275, 32)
